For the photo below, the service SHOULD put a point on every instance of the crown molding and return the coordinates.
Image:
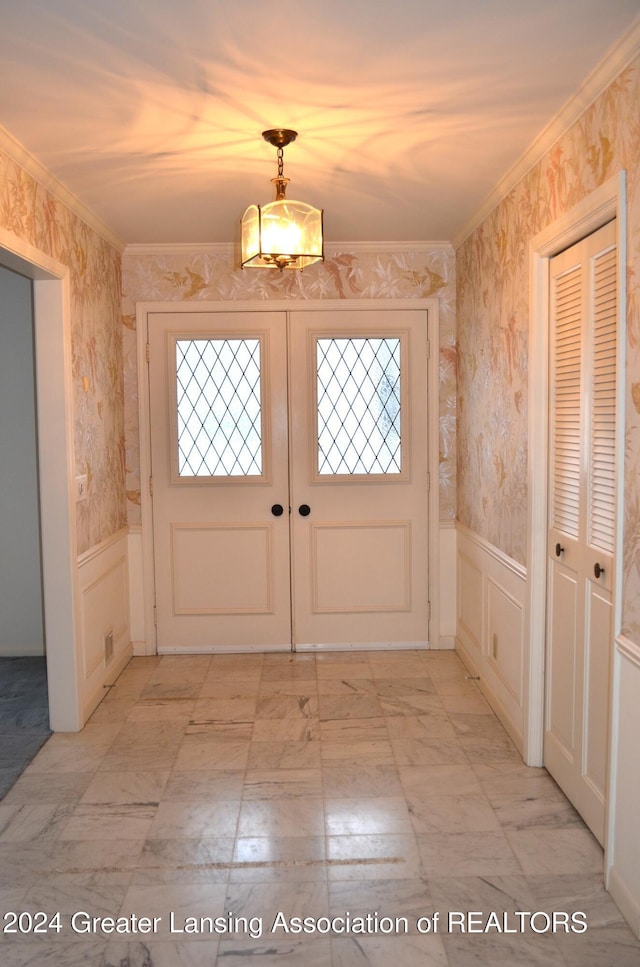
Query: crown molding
(331, 248)
(357, 248)
(612, 64)
(21, 156)
(180, 248)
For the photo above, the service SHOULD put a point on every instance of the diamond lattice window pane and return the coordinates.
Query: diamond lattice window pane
(219, 407)
(358, 389)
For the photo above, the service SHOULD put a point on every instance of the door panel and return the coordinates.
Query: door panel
(218, 402)
(582, 492)
(359, 436)
(562, 668)
(596, 735)
(222, 568)
(379, 553)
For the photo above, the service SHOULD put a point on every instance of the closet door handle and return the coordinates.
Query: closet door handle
(559, 550)
(597, 570)
(277, 510)
(304, 510)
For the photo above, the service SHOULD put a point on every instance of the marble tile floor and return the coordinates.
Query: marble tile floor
(24, 715)
(373, 796)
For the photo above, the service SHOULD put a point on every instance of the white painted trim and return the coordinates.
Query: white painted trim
(491, 694)
(628, 649)
(285, 305)
(623, 647)
(603, 204)
(143, 309)
(493, 569)
(614, 62)
(626, 652)
(22, 257)
(433, 468)
(610, 874)
(331, 248)
(622, 234)
(21, 156)
(93, 698)
(228, 650)
(447, 643)
(104, 607)
(136, 591)
(447, 587)
(146, 505)
(98, 549)
(499, 556)
(52, 314)
(624, 900)
(366, 646)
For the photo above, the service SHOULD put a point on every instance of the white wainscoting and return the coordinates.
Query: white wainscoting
(490, 635)
(446, 587)
(141, 642)
(103, 581)
(141, 597)
(623, 845)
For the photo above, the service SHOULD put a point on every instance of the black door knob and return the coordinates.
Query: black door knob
(277, 510)
(597, 570)
(304, 510)
(559, 550)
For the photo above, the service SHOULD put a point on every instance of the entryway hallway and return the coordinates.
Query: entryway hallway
(311, 785)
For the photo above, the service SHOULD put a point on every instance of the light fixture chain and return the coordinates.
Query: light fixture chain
(282, 234)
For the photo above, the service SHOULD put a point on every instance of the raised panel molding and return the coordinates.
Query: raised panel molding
(103, 578)
(470, 605)
(371, 550)
(490, 634)
(104, 612)
(505, 628)
(623, 845)
(222, 568)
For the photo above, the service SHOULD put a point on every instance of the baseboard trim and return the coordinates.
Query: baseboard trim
(366, 646)
(626, 903)
(498, 707)
(446, 643)
(114, 669)
(228, 650)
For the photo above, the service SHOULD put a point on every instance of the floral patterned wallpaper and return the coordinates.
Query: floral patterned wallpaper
(208, 276)
(34, 214)
(493, 317)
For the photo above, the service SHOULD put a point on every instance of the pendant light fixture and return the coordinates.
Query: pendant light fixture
(285, 234)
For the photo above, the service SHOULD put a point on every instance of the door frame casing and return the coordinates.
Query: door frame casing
(54, 407)
(144, 309)
(601, 206)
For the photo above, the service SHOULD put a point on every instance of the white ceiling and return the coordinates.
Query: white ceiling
(408, 111)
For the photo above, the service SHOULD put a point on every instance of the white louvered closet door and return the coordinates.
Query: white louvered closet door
(582, 487)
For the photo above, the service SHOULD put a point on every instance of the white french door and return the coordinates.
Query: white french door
(358, 436)
(289, 468)
(581, 536)
(219, 450)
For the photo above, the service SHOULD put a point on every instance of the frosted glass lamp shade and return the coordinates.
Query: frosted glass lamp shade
(285, 234)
